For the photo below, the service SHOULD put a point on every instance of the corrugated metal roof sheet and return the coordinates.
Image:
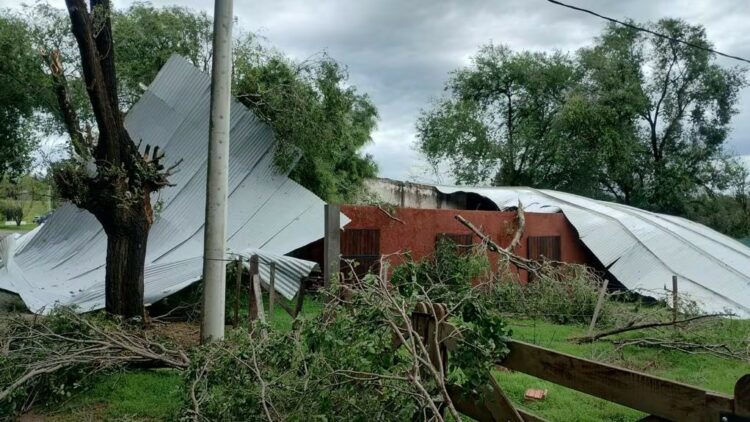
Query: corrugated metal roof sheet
(643, 249)
(63, 262)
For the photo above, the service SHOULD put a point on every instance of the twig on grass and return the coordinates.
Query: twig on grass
(632, 327)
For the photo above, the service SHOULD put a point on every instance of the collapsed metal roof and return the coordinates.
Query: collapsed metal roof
(269, 214)
(643, 249)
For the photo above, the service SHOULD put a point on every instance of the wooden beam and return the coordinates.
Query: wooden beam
(300, 298)
(237, 291)
(258, 295)
(271, 290)
(742, 397)
(486, 408)
(500, 405)
(656, 396)
(331, 244)
(675, 299)
(252, 304)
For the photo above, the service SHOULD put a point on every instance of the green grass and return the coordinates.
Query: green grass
(15, 228)
(155, 395)
(563, 404)
(146, 395)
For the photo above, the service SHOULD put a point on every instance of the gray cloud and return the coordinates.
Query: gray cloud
(401, 52)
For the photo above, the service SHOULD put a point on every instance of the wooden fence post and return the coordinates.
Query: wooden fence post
(675, 299)
(331, 244)
(237, 290)
(598, 308)
(300, 298)
(271, 290)
(252, 306)
(258, 295)
(742, 397)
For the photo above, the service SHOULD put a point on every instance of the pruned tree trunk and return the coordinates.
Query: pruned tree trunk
(118, 194)
(126, 254)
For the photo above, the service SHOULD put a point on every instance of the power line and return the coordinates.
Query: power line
(654, 33)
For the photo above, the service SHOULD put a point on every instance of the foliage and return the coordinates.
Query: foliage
(20, 350)
(50, 357)
(342, 362)
(19, 69)
(317, 117)
(499, 123)
(561, 293)
(669, 106)
(634, 118)
(13, 213)
(320, 120)
(147, 36)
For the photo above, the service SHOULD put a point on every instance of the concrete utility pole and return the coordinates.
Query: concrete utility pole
(214, 241)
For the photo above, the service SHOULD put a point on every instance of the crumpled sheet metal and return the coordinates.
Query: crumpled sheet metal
(643, 249)
(63, 261)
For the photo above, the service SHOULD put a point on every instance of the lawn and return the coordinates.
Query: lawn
(563, 404)
(155, 395)
(143, 395)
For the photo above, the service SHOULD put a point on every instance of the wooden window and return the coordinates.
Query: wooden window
(362, 246)
(544, 247)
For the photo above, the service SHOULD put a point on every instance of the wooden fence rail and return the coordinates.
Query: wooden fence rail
(660, 398)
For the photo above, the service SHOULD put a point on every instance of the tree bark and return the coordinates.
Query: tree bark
(119, 194)
(126, 255)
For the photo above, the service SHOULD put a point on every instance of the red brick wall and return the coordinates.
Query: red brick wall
(420, 227)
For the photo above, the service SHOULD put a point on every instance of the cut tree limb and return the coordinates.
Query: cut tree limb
(633, 327)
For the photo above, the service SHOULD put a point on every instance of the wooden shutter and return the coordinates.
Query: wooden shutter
(362, 246)
(547, 247)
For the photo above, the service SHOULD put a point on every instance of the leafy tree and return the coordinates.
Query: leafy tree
(662, 112)
(636, 118)
(316, 116)
(19, 68)
(147, 36)
(500, 121)
(313, 112)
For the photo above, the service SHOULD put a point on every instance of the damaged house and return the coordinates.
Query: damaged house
(637, 249)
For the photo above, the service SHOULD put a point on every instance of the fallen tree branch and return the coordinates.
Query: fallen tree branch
(521, 219)
(719, 350)
(32, 350)
(633, 327)
(520, 262)
(391, 216)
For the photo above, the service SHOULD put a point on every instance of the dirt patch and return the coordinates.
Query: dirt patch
(185, 334)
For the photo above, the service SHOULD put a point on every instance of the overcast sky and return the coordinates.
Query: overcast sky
(401, 52)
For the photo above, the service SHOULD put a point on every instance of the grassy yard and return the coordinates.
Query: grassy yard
(155, 395)
(563, 404)
(144, 395)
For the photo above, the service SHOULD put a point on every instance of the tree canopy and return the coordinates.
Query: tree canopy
(634, 118)
(314, 110)
(18, 70)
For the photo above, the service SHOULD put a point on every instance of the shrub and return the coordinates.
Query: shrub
(343, 361)
(13, 213)
(561, 293)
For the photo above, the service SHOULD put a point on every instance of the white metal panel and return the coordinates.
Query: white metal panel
(643, 249)
(63, 261)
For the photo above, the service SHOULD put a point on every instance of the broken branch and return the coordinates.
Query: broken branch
(633, 327)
